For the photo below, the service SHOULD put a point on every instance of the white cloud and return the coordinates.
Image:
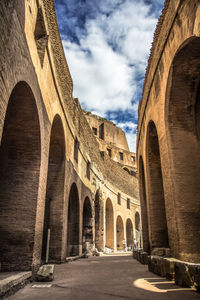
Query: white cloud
(111, 54)
(102, 78)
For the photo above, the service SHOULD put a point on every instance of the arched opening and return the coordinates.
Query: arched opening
(143, 201)
(127, 170)
(183, 123)
(19, 177)
(73, 222)
(158, 223)
(53, 218)
(129, 234)
(99, 231)
(87, 226)
(120, 233)
(109, 225)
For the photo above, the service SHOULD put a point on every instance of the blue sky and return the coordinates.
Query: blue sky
(107, 44)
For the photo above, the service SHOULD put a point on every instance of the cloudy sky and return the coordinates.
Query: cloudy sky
(107, 44)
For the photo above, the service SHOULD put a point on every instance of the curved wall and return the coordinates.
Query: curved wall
(171, 102)
(31, 51)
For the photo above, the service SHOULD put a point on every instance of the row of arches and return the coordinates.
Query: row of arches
(170, 193)
(20, 174)
(155, 213)
(68, 225)
(122, 234)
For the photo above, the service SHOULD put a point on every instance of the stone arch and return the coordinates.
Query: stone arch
(127, 170)
(129, 233)
(20, 157)
(109, 224)
(158, 222)
(183, 130)
(143, 201)
(99, 231)
(73, 222)
(53, 217)
(120, 233)
(87, 225)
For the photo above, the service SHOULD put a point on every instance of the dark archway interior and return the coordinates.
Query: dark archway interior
(120, 233)
(129, 233)
(53, 219)
(127, 170)
(183, 120)
(87, 226)
(19, 178)
(159, 232)
(99, 232)
(109, 225)
(73, 222)
(143, 201)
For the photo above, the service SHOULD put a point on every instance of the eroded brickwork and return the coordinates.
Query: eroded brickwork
(168, 145)
(43, 186)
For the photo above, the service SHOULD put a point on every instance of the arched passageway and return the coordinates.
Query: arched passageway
(20, 155)
(129, 233)
(87, 225)
(99, 231)
(120, 233)
(143, 201)
(109, 225)
(53, 220)
(183, 123)
(158, 223)
(73, 222)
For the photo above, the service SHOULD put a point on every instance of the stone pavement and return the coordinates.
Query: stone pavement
(104, 278)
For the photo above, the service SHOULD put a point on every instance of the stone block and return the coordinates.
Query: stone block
(135, 253)
(161, 252)
(143, 257)
(45, 273)
(156, 264)
(182, 274)
(170, 267)
(194, 270)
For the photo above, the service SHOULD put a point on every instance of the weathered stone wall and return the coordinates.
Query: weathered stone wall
(111, 133)
(167, 141)
(40, 177)
(114, 140)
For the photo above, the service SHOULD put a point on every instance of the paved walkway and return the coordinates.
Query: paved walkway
(104, 278)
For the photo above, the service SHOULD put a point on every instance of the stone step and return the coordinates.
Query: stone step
(11, 282)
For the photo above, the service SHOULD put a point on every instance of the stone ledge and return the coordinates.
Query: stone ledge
(184, 273)
(141, 256)
(156, 264)
(162, 266)
(72, 258)
(14, 282)
(187, 274)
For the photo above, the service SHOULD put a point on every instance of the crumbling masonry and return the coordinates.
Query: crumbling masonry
(168, 141)
(52, 174)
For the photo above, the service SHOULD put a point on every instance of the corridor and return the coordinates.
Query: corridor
(104, 278)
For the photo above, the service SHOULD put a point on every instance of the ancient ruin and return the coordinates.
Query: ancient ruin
(168, 138)
(68, 181)
(60, 194)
